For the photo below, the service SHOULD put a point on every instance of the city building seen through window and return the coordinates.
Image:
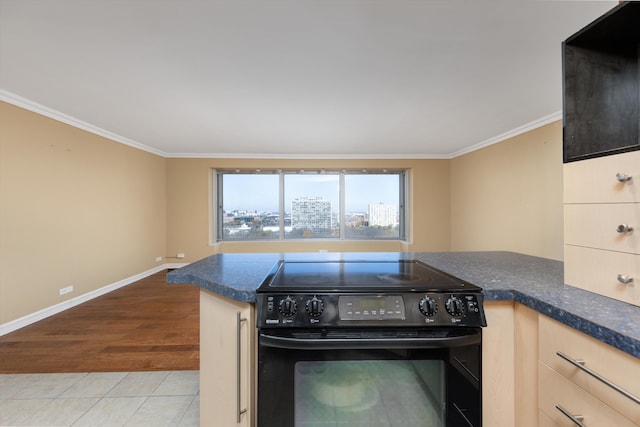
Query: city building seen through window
(318, 204)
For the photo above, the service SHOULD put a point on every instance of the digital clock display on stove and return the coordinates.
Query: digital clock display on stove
(371, 307)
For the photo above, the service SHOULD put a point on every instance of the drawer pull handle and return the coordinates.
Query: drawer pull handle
(625, 279)
(623, 177)
(580, 364)
(624, 228)
(575, 418)
(240, 410)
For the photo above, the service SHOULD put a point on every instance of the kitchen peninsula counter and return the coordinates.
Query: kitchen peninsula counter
(504, 276)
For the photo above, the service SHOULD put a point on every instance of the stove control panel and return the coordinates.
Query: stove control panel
(371, 307)
(359, 309)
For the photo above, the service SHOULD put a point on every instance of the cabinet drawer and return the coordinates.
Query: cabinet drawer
(557, 390)
(596, 226)
(616, 366)
(595, 181)
(598, 271)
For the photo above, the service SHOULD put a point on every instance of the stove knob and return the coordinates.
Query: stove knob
(315, 307)
(288, 307)
(455, 307)
(428, 307)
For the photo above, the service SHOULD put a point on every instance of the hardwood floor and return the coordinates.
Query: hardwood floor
(148, 325)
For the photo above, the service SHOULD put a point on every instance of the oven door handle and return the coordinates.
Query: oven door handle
(268, 340)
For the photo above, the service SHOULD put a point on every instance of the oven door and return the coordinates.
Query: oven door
(369, 377)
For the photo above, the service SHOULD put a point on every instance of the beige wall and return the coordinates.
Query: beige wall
(78, 209)
(75, 209)
(508, 196)
(189, 199)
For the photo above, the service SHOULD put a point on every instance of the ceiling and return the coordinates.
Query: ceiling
(291, 78)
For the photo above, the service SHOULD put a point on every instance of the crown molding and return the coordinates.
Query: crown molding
(280, 156)
(510, 134)
(27, 104)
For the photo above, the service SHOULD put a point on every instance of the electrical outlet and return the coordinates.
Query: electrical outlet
(66, 290)
(158, 258)
(180, 255)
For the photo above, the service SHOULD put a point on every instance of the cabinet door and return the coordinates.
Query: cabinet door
(597, 225)
(560, 399)
(227, 336)
(612, 274)
(498, 381)
(509, 365)
(525, 364)
(618, 369)
(610, 179)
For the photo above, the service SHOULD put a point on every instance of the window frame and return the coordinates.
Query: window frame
(218, 203)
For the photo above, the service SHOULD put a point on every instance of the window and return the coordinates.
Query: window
(318, 204)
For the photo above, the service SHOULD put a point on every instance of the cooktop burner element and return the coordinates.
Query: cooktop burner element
(320, 276)
(310, 279)
(400, 277)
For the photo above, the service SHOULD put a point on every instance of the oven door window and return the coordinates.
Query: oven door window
(426, 387)
(369, 392)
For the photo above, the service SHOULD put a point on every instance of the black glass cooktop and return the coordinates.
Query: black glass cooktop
(361, 276)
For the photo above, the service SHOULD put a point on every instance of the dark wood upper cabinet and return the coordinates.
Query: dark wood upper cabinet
(601, 100)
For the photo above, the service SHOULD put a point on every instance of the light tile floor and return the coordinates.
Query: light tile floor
(131, 399)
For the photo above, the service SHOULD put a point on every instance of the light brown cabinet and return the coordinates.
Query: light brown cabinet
(601, 147)
(583, 377)
(524, 378)
(607, 226)
(509, 365)
(576, 403)
(498, 375)
(227, 361)
(525, 363)
(607, 179)
(602, 226)
(579, 376)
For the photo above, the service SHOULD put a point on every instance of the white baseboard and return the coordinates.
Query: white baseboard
(21, 322)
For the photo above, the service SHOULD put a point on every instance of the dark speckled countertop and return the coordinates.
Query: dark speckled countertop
(503, 276)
